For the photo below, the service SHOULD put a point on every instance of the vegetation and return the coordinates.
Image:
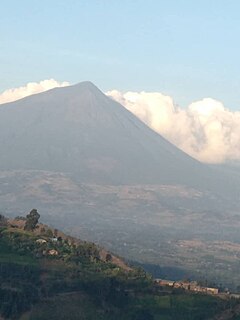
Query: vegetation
(47, 275)
(3, 220)
(32, 220)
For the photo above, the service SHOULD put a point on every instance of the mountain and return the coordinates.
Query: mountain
(78, 130)
(46, 274)
(95, 170)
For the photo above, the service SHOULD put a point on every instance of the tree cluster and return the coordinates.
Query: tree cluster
(32, 220)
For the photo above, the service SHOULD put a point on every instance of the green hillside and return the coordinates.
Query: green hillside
(45, 274)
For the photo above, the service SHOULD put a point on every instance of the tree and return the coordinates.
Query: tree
(3, 221)
(42, 230)
(108, 257)
(32, 220)
(49, 233)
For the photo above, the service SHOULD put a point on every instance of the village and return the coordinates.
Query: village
(187, 285)
(50, 252)
(193, 286)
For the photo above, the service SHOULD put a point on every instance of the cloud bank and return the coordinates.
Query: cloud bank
(206, 129)
(31, 88)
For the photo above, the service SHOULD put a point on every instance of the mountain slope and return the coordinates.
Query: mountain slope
(79, 130)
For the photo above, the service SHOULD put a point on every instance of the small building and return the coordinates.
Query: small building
(212, 290)
(204, 289)
(41, 241)
(186, 285)
(177, 285)
(53, 252)
(167, 283)
(198, 289)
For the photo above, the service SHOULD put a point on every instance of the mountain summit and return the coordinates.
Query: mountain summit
(79, 130)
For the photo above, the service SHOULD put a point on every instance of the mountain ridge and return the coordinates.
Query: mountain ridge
(79, 123)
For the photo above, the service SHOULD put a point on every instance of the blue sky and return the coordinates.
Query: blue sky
(187, 49)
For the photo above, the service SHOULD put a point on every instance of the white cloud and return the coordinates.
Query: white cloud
(206, 129)
(30, 88)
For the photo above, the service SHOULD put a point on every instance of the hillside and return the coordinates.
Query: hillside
(47, 275)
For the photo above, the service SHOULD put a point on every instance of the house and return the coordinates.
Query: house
(41, 241)
(53, 252)
(177, 285)
(194, 286)
(235, 295)
(212, 290)
(204, 289)
(161, 282)
(200, 289)
(186, 285)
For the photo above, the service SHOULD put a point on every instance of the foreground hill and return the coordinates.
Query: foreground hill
(47, 275)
